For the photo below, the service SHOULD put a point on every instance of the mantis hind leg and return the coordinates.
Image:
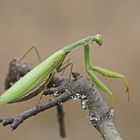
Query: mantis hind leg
(45, 85)
(19, 68)
(18, 65)
(36, 51)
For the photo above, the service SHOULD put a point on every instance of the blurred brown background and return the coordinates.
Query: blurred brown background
(52, 24)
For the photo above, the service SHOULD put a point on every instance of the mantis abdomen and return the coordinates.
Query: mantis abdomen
(33, 78)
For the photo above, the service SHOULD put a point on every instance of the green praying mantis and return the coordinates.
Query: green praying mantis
(45, 70)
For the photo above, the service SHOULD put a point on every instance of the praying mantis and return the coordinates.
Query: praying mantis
(21, 90)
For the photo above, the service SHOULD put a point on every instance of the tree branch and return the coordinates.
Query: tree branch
(100, 115)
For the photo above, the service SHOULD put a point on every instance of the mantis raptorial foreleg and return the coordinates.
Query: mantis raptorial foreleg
(112, 74)
(91, 68)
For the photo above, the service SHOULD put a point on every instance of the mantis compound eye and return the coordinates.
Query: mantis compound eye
(99, 39)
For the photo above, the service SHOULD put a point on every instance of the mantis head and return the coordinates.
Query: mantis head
(98, 39)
